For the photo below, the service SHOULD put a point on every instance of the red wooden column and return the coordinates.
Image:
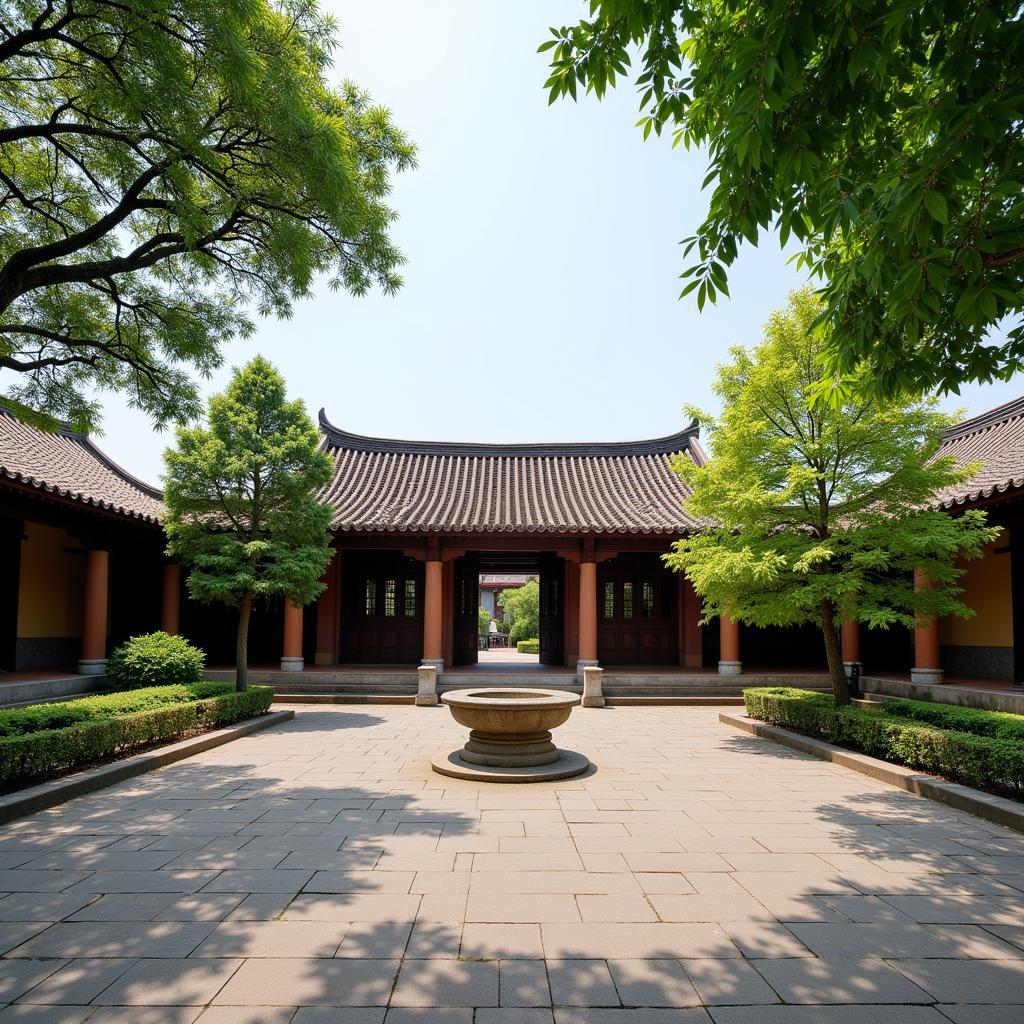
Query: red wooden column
(690, 653)
(291, 659)
(170, 612)
(849, 633)
(729, 663)
(588, 616)
(94, 614)
(433, 614)
(927, 658)
(328, 614)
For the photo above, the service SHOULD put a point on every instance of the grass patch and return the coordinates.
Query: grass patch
(951, 742)
(116, 724)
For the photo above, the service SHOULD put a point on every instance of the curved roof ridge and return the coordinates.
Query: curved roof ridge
(999, 414)
(670, 444)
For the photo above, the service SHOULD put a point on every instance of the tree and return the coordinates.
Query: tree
(884, 136)
(165, 167)
(819, 514)
(483, 623)
(241, 508)
(523, 604)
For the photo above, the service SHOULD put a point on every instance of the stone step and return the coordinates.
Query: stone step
(393, 689)
(723, 700)
(344, 698)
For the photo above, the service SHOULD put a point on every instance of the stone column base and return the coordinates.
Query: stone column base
(581, 665)
(730, 668)
(926, 675)
(426, 692)
(849, 666)
(292, 664)
(593, 694)
(92, 667)
(436, 664)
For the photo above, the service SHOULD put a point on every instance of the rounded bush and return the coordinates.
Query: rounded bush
(155, 659)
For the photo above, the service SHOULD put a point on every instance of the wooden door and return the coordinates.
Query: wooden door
(382, 619)
(467, 606)
(636, 614)
(552, 611)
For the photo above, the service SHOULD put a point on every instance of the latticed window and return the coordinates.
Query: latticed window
(609, 599)
(627, 600)
(410, 599)
(370, 597)
(647, 599)
(390, 590)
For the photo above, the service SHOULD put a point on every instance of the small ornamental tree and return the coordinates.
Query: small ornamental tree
(240, 496)
(523, 604)
(821, 514)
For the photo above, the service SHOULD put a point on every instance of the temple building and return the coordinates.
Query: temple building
(417, 524)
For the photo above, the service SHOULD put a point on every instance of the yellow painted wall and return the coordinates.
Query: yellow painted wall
(986, 589)
(51, 585)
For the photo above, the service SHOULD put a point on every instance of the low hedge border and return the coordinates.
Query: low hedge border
(39, 755)
(60, 714)
(990, 763)
(528, 647)
(977, 721)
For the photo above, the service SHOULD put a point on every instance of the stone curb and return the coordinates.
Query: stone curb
(993, 808)
(58, 791)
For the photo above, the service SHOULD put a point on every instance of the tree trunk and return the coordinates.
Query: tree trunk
(242, 646)
(840, 686)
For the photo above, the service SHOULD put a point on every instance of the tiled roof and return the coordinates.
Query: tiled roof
(995, 439)
(434, 486)
(70, 465)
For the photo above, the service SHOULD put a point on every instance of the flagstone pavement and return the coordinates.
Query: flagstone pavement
(320, 872)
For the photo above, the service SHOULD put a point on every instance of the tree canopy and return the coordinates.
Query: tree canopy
(884, 136)
(168, 168)
(818, 514)
(241, 507)
(523, 605)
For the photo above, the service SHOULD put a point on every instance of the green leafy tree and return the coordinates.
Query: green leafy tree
(483, 623)
(166, 167)
(523, 605)
(883, 136)
(241, 505)
(817, 514)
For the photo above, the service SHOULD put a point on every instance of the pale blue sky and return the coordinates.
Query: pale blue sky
(540, 301)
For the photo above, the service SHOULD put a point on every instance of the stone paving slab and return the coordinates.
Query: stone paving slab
(320, 873)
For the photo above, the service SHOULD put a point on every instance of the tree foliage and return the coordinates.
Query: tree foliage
(241, 506)
(817, 514)
(166, 167)
(883, 136)
(523, 605)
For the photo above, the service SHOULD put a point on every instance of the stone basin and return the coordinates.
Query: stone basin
(510, 735)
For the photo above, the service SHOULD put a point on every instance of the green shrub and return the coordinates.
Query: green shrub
(155, 659)
(991, 763)
(37, 717)
(528, 647)
(37, 755)
(948, 716)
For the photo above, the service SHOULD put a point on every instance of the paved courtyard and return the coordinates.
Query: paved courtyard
(319, 872)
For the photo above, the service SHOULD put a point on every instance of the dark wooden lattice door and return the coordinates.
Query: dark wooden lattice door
(467, 605)
(552, 612)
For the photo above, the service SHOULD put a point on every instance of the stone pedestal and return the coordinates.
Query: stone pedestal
(926, 675)
(426, 692)
(593, 694)
(92, 667)
(730, 668)
(292, 664)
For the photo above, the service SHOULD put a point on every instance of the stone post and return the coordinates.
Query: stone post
(291, 660)
(593, 694)
(433, 610)
(927, 658)
(170, 612)
(426, 692)
(94, 614)
(729, 663)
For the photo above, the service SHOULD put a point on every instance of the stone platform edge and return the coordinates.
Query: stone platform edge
(59, 791)
(985, 805)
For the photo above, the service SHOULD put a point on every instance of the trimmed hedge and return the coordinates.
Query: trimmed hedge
(528, 647)
(992, 763)
(155, 659)
(37, 717)
(978, 721)
(38, 755)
